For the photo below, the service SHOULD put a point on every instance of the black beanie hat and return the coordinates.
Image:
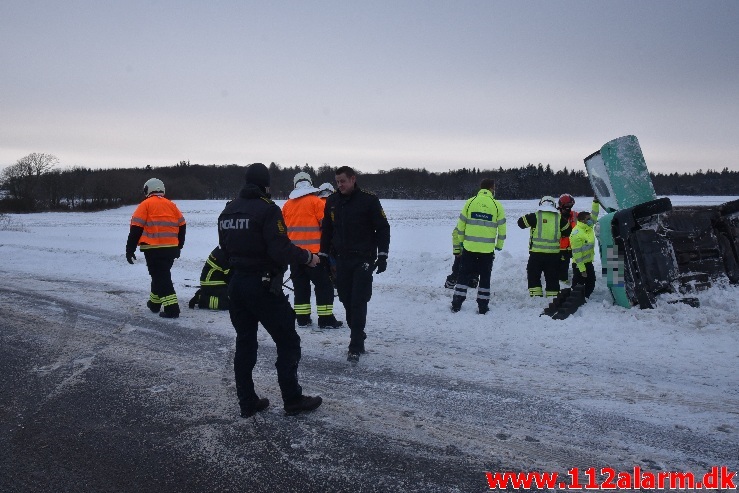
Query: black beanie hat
(258, 174)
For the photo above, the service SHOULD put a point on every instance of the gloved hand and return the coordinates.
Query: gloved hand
(130, 257)
(381, 264)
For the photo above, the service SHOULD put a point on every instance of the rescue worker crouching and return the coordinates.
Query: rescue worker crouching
(547, 227)
(303, 213)
(213, 291)
(158, 228)
(252, 233)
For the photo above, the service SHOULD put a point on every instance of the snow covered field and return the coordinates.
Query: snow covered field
(674, 365)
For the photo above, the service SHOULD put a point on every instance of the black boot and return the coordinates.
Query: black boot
(304, 403)
(170, 311)
(254, 407)
(304, 320)
(154, 307)
(328, 322)
(457, 303)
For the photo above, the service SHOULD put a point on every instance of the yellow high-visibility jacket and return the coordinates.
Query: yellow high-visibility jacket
(481, 227)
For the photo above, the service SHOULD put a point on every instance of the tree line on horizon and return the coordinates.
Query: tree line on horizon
(35, 183)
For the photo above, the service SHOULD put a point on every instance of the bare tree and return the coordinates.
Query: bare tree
(22, 178)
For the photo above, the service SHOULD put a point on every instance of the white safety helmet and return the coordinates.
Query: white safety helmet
(548, 203)
(303, 186)
(325, 189)
(153, 185)
(302, 176)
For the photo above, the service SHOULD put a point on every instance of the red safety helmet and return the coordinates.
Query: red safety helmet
(566, 201)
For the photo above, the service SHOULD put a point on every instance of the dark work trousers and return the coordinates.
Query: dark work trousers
(472, 265)
(455, 266)
(303, 276)
(213, 297)
(252, 303)
(588, 282)
(548, 264)
(159, 262)
(565, 257)
(354, 285)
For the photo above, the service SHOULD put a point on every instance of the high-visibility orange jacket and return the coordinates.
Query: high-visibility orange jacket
(303, 218)
(564, 242)
(162, 223)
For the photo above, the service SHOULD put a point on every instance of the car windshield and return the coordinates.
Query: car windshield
(600, 182)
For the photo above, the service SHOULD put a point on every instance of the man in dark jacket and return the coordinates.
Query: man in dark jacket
(252, 233)
(355, 231)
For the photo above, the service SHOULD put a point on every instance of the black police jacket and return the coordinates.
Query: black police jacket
(252, 234)
(355, 225)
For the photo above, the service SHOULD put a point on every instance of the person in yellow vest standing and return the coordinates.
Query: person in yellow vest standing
(481, 230)
(547, 228)
(303, 213)
(582, 240)
(158, 228)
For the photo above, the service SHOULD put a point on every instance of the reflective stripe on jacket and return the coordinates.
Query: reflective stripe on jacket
(215, 271)
(303, 218)
(160, 220)
(481, 227)
(546, 230)
(564, 242)
(583, 245)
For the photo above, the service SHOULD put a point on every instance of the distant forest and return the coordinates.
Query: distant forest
(35, 184)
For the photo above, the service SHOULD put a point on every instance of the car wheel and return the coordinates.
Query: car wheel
(729, 207)
(730, 262)
(652, 207)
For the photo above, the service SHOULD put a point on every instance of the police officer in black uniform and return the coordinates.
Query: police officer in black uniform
(252, 233)
(355, 231)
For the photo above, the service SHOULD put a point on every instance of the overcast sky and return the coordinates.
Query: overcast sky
(371, 84)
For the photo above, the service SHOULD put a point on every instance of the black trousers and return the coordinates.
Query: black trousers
(588, 281)
(354, 285)
(251, 303)
(159, 262)
(302, 277)
(472, 265)
(565, 256)
(547, 264)
(212, 297)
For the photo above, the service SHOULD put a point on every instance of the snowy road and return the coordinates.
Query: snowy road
(97, 391)
(99, 401)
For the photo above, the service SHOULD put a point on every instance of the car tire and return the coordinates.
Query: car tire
(651, 208)
(730, 262)
(729, 207)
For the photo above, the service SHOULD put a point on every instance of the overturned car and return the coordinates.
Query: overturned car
(649, 247)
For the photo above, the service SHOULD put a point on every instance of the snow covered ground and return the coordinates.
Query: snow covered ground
(675, 365)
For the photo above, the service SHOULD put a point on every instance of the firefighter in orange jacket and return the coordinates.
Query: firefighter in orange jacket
(303, 213)
(564, 206)
(158, 228)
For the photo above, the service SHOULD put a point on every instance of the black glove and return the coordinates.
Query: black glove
(381, 264)
(130, 257)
